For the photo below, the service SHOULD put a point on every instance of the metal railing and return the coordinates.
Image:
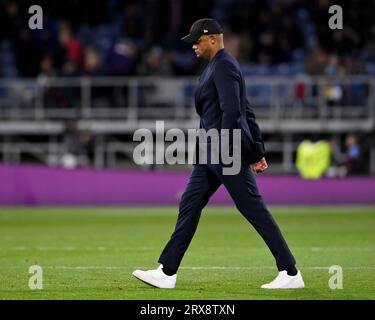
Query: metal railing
(135, 98)
(284, 106)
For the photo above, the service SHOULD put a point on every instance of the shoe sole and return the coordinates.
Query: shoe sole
(283, 288)
(149, 283)
(296, 287)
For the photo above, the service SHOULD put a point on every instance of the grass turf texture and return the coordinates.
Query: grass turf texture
(89, 253)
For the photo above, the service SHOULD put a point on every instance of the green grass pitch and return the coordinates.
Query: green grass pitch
(90, 253)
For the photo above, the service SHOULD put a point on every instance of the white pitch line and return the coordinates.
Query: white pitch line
(190, 267)
(265, 267)
(102, 248)
(71, 248)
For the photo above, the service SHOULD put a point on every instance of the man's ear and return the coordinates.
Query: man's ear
(212, 39)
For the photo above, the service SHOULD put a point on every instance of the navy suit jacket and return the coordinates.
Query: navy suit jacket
(221, 102)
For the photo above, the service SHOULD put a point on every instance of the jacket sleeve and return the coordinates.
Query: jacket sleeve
(258, 144)
(227, 83)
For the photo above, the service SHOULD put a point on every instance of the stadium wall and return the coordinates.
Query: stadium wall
(27, 185)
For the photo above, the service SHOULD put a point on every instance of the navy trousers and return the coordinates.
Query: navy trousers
(204, 181)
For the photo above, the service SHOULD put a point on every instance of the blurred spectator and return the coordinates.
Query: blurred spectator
(93, 63)
(352, 162)
(122, 58)
(333, 90)
(233, 43)
(347, 163)
(313, 158)
(266, 48)
(155, 63)
(78, 146)
(10, 19)
(28, 53)
(47, 69)
(298, 97)
(73, 49)
(317, 60)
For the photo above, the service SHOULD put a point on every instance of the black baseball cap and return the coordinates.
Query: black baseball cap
(202, 27)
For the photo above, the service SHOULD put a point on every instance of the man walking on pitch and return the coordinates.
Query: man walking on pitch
(221, 103)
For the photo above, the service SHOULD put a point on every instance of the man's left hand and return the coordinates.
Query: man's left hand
(260, 166)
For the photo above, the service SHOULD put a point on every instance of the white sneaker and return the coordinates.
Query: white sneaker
(283, 281)
(156, 278)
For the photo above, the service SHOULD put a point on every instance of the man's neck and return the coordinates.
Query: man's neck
(214, 52)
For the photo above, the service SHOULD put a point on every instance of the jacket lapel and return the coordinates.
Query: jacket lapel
(198, 108)
(202, 81)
